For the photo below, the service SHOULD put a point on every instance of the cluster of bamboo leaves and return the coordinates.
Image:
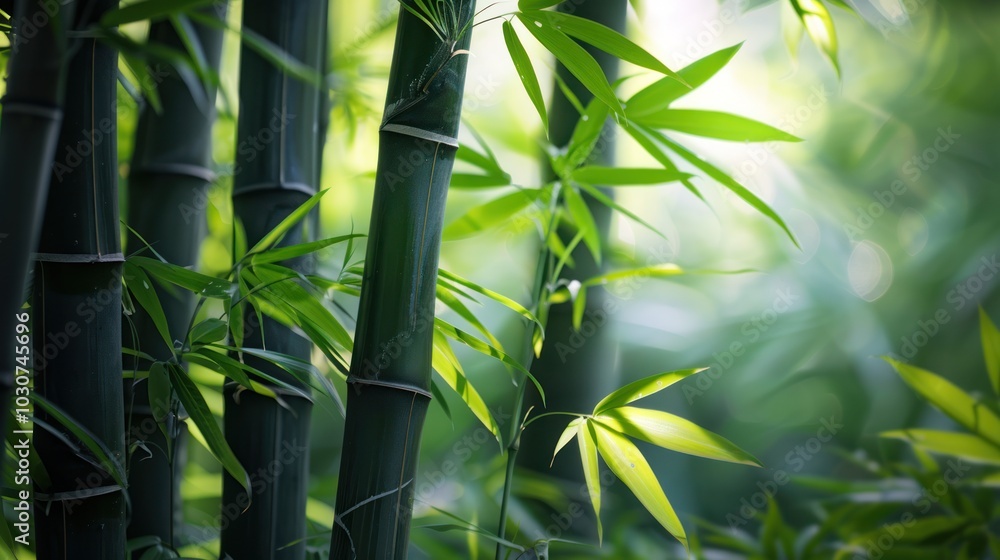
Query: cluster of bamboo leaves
(911, 513)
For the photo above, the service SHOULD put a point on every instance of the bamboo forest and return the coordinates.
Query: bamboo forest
(505, 280)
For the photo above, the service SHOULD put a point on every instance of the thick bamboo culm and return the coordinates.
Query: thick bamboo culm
(388, 396)
(76, 298)
(277, 166)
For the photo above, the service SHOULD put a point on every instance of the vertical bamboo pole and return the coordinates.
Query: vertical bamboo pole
(278, 148)
(77, 308)
(390, 375)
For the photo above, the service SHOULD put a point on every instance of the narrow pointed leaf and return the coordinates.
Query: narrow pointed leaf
(208, 331)
(819, 25)
(726, 181)
(200, 284)
(610, 203)
(446, 364)
(951, 400)
(673, 432)
(642, 388)
(490, 214)
(577, 60)
(970, 447)
(568, 434)
(586, 438)
(525, 5)
(628, 464)
(279, 254)
(197, 408)
(991, 349)
(665, 270)
(616, 176)
(606, 39)
(484, 348)
(495, 296)
(584, 221)
(282, 228)
(97, 448)
(660, 94)
(715, 124)
(525, 71)
(142, 289)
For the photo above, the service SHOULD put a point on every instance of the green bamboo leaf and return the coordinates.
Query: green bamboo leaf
(819, 25)
(584, 221)
(628, 464)
(525, 71)
(715, 124)
(618, 176)
(659, 155)
(279, 254)
(279, 231)
(438, 395)
(149, 9)
(208, 331)
(227, 366)
(463, 311)
(991, 348)
(198, 410)
(665, 270)
(446, 364)
(490, 214)
(660, 94)
(158, 390)
(144, 292)
(301, 369)
(484, 348)
(604, 38)
(100, 451)
(579, 306)
(610, 203)
(483, 161)
(536, 4)
(970, 447)
(577, 60)
(584, 139)
(195, 282)
(642, 388)
(474, 181)
(444, 275)
(568, 434)
(281, 290)
(586, 438)
(951, 400)
(673, 432)
(726, 181)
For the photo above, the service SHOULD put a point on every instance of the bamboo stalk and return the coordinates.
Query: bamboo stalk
(76, 301)
(389, 383)
(168, 183)
(32, 114)
(276, 171)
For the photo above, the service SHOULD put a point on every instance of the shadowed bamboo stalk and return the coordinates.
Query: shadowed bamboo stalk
(168, 182)
(32, 114)
(76, 298)
(388, 394)
(278, 148)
